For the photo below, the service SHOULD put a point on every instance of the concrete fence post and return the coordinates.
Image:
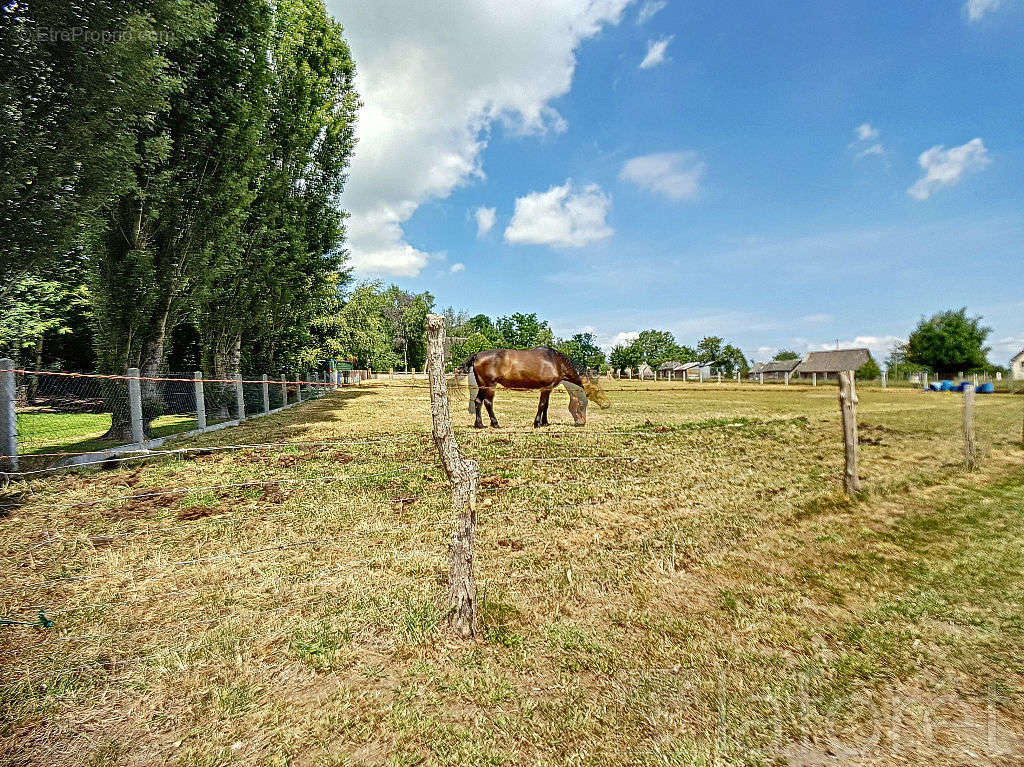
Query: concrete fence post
(463, 474)
(239, 397)
(848, 406)
(762, 377)
(284, 390)
(787, 378)
(197, 376)
(266, 395)
(298, 388)
(8, 415)
(135, 405)
(885, 379)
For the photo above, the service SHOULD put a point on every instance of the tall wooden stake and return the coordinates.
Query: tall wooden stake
(848, 406)
(462, 474)
(970, 452)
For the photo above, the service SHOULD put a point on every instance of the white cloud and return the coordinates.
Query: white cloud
(676, 175)
(865, 132)
(656, 50)
(648, 9)
(432, 84)
(947, 167)
(484, 220)
(623, 339)
(866, 143)
(560, 216)
(456, 268)
(976, 9)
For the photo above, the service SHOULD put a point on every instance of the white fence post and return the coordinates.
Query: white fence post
(239, 397)
(885, 379)
(298, 388)
(197, 376)
(135, 405)
(8, 414)
(266, 395)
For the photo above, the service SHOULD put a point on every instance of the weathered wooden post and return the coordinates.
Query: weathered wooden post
(266, 395)
(970, 451)
(284, 390)
(239, 397)
(298, 387)
(848, 406)
(719, 376)
(200, 396)
(135, 405)
(462, 474)
(8, 415)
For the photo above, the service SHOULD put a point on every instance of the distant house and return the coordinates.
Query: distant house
(776, 370)
(831, 363)
(645, 371)
(673, 369)
(1017, 366)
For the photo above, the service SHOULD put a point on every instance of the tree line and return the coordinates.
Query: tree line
(170, 181)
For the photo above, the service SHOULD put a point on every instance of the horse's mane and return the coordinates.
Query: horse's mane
(581, 369)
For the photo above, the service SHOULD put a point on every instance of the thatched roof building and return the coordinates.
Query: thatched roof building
(834, 361)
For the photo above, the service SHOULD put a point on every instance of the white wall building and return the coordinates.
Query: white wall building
(1017, 366)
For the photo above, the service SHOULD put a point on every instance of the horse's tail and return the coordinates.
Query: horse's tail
(467, 367)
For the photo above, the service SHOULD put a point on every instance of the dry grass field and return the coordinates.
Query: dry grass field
(679, 583)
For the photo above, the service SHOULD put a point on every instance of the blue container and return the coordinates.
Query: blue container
(962, 386)
(946, 386)
(986, 388)
(934, 386)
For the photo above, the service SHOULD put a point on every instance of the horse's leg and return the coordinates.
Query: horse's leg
(542, 409)
(477, 403)
(488, 395)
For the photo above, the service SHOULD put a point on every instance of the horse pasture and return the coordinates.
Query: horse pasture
(681, 582)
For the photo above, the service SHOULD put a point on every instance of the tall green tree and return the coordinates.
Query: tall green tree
(582, 349)
(77, 82)
(949, 342)
(524, 331)
(281, 283)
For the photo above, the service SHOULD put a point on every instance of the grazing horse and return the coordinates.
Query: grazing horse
(542, 368)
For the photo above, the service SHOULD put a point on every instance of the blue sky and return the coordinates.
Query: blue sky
(783, 175)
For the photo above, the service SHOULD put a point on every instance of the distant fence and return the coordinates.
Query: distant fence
(50, 418)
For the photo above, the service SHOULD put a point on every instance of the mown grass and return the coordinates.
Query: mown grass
(681, 582)
(82, 432)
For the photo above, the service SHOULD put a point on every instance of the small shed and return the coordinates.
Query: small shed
(1017, 366)
(645, 371)
(831, 363)
(778, 370)
(670, 369)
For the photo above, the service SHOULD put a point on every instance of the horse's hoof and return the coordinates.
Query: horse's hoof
(494, 425)
(478, 426)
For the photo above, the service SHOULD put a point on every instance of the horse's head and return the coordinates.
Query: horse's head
(578, 407)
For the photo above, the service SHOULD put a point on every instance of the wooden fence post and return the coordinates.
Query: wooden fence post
(462, 474)
(197, 376)
(135, 405)
(8, 415)
(848, 406)
(970, 451)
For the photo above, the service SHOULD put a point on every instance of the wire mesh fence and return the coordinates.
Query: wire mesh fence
(53, 417)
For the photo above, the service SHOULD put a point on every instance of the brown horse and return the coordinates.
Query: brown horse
(542, 368)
